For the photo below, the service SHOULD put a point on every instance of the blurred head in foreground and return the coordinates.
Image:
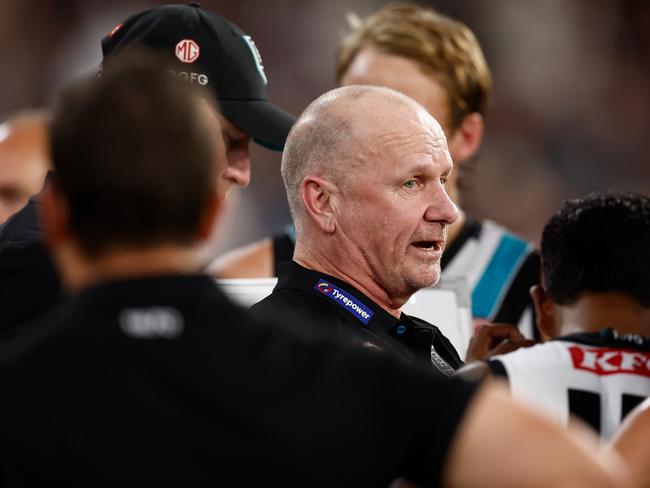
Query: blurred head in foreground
(135, 157)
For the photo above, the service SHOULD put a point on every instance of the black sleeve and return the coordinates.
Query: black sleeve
(29, 283)
(446, 409)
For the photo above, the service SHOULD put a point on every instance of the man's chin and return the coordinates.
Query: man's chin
(423, 280)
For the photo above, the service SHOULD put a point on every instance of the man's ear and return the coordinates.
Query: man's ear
(319, 200)
(466, 139)
(210, 216)
(53, 213)
(547, 319)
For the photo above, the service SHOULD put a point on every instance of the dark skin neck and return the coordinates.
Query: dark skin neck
(592, 312)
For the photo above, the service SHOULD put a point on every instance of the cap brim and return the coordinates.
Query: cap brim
(261, 120)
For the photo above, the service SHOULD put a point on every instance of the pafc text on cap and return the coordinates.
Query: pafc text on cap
(211, 51)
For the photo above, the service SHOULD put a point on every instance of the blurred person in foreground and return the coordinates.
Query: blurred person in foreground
(365, 169)
(632, 442)
(438, 62)
(23, 160)
(28, 282)
(148, 375)
(203, 49)
(593, 310)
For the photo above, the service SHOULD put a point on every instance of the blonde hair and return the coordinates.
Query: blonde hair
(444, 48)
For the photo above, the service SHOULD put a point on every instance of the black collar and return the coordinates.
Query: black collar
(292, 276)
(608, 338)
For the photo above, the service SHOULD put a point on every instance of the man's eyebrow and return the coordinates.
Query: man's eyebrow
(421, 168)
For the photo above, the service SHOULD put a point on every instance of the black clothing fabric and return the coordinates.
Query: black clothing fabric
(608, 338)
(283, 246)
(340, 308)
(29, 283)
(162, 381)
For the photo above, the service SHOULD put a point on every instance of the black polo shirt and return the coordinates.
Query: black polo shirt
(162, 381)
(317, 298)
(29, 283)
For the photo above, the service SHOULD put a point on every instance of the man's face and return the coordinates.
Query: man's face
(395, 209)
(233, 153)
(373, 67)
(23, 165)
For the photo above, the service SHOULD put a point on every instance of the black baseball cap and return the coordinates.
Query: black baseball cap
(209, 50)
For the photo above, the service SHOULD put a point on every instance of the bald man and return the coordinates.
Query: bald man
(437, 61)
(23, 160)
(365, 171)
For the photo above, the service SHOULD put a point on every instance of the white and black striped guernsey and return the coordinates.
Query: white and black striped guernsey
(500, 268)
(598, 377)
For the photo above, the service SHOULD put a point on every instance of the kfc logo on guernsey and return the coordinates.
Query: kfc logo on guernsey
(345, 300)
(610, 361)
(187, 51)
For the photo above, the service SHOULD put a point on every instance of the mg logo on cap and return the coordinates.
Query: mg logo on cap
(187, 51)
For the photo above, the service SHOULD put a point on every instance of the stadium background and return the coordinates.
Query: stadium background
(570, 111)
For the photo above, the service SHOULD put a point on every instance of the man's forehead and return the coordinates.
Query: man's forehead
(407, 139)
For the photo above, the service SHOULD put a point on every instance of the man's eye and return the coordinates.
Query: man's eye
(410, 184)
(443, 180)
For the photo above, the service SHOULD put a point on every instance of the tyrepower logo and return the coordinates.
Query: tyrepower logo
(324, 287)
(187, 51)
(603, 361)
(345, 300)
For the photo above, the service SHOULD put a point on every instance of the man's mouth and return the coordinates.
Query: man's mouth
(435, 246)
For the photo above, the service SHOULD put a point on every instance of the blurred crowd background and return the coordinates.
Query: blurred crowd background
(570, 112)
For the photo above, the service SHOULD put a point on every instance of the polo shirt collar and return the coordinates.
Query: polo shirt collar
(292, 276)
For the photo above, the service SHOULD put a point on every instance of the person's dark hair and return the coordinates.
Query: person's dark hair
(598, 243)
(133, 156)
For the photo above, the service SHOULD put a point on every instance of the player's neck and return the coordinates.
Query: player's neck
(595, 311)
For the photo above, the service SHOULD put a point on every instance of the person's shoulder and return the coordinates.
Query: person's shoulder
(541, 360)
(36, 344)
(23, 227)
(300, 312)
(490, 226)
(283, 300)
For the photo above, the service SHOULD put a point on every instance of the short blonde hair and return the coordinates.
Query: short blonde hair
(444, 48)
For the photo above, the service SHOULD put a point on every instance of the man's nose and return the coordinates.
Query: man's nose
(442, 209)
